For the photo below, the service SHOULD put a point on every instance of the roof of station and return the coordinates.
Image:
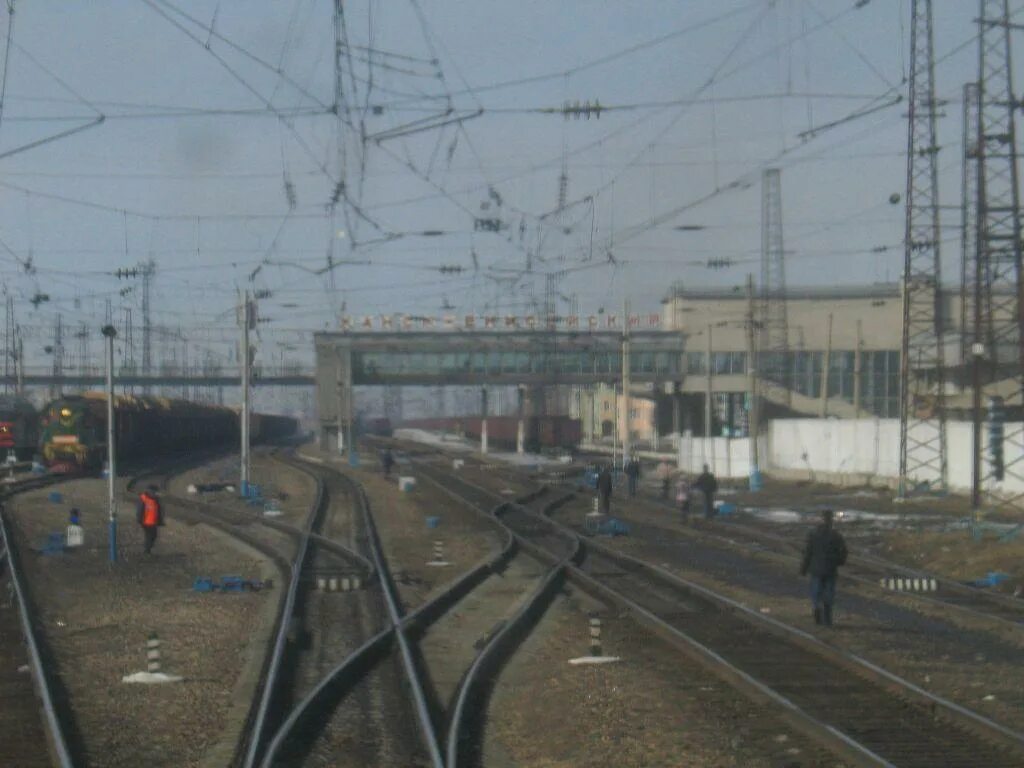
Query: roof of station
(822, 292)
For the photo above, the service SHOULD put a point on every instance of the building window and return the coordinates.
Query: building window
(607, 407)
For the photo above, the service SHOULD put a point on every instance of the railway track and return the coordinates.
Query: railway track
(861, 711)
(32, 731)
(314, 625)
(869, 570)
(455, 726)
(30, 712)
(467, 714)
(299, 729)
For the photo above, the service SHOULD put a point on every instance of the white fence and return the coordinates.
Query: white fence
(727, 457)
(845, 450)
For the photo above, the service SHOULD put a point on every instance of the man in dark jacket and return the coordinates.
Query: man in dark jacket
(632, 470)
(150, 515)
(604, 489)
(824, 552)
(387, 461)
(707, 485)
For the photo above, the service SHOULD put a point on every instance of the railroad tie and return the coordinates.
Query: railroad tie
(342, 583)
(909, 584)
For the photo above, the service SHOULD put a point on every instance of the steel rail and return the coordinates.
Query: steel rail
(202, 512)
(1004, 735)
(426, 723)
(362, 659)
(256, 731)
(795, 715)
(53, 725)
(880, 565)
(394, 611)
(502, 643)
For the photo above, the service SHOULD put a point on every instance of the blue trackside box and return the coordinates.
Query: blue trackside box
(203, 584)
(54, 544)
(232, 583)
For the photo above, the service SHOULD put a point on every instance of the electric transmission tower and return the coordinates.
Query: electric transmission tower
(773, 364)
(970, 278)
(922, 365)
(998, 322)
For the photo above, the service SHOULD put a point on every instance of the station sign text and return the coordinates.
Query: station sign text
(496, 322)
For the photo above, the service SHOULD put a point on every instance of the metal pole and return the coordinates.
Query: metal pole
(341, 409)
(21, 366)
(110, 332)
(615, 414)
(976, 355)
(483, 419)
(707, 397)
(627, 442)
(246, 361)
(856, 371)
(753, 415)
(824, 368)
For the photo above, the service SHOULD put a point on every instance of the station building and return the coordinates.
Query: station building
(856, 329)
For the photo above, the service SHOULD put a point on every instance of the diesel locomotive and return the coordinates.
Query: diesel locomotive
(74, 428)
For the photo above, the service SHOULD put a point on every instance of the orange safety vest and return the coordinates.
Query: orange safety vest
(150, 510)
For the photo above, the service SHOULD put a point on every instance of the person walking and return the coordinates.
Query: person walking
(683, 498)
(387, 461)
(665, 475)
(604, 489)
(824, 552)
(632, 470)
(150, 515)
(707, 485)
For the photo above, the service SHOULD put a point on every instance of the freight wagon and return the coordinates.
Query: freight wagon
(74, 428)
(19, 428)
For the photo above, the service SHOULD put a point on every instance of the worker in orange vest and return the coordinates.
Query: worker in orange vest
(150, 516)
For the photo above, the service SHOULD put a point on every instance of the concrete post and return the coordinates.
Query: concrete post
(483, 419)
(677, 411)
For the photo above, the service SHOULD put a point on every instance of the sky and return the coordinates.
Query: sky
(203, 135)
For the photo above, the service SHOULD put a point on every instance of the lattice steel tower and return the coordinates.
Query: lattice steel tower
(997, 315)
(922, 363)
(970, 277)
(773, 364)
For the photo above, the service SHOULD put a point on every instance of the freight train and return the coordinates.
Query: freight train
(74, 428)
(19, 428)
(540, 432)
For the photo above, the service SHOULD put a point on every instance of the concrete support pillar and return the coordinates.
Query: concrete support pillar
(677, 411)
(483, 419)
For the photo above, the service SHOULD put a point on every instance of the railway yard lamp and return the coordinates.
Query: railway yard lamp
(110, 332)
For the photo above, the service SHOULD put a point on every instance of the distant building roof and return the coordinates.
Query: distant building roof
(823, 292)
